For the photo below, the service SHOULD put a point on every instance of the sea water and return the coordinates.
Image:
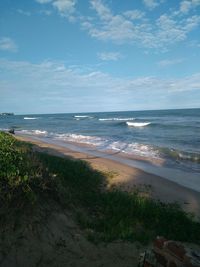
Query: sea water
(170, 135)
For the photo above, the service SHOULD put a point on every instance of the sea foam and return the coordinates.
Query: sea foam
(82, 116)
(134, 149)
(30, 118)
(34, 132)
(108, 144)
(116, 119)
(138, 124)
(85, 139)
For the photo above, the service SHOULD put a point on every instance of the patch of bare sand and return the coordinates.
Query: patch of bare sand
(50, 237)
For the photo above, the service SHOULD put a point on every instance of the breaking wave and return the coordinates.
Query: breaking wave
(116, 119)
(137, 124)
(134, 148)
(30, 118)
(82, 116)
(85, 139)
(108, 144)
(105, 144)
(34, 132)
(180, 155)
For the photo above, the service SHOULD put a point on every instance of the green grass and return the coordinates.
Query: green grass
(22, 175)
(26, 177)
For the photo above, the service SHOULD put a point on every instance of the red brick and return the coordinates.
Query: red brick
(159, 242)
(177, 250)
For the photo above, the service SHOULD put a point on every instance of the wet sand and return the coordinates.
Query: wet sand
(128, 177)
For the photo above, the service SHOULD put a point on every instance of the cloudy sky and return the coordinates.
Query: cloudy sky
(99, 55)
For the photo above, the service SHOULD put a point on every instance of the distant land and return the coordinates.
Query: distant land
(6, 114)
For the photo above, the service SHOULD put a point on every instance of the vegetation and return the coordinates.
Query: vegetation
(27, 176)
(22, 176)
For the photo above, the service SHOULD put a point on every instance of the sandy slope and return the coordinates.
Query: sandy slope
(51, 238)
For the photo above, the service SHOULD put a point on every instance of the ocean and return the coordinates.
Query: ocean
(170, 135)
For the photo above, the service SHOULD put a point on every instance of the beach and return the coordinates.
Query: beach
(64, 200)
(126, 177)
(100, 133)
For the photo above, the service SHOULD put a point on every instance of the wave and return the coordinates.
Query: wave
(30, 118)
(34, 132)
(101, 143)
(134, 148)
(4, 129)
(116, 119)
(108, 144)
(85, 139)
(180, 155)
(138, 124)
(147, 150)
(82, 116)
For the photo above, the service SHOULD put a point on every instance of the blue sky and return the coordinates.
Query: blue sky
(99, 55)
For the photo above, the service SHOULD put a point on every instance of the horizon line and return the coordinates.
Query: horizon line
(89, 112)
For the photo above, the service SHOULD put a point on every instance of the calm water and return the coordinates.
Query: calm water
(170, 134)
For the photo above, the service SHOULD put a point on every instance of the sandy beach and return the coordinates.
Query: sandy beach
(127, 177)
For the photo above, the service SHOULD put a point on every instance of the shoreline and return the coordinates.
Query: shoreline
(126, 177)
(152, 165)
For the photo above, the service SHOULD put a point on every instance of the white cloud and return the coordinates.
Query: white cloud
(159, 33)
(170, 30)
(188, 5)
(185, 6)
(7, 44)
(170, 62)
(109, 56)
(46, 12)
(65, 7)
(134, 14)
(108, 26)
(133, 26)
(151, 4)
(23, 12)
(43, 1)
(57, 88)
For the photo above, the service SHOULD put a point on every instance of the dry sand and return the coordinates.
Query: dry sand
(55, 240)
(127, 177)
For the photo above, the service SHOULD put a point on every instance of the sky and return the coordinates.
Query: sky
(60, 56)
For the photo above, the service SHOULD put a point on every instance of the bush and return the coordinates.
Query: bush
(22, 176)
